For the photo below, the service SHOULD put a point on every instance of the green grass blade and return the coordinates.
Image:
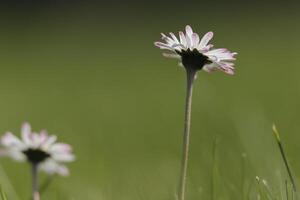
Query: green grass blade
(284, 157)
(2, 194)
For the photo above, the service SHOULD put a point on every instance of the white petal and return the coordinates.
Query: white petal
(205, 39)
(220, 54)
(171, 55)
(60, 148)
(214, 51)
(26, 133)
(228, 71)
(226, 56)
(174, 37)
(63, 157)
(49, 141)
(189, 33)
(205, 49)
(169, 40)
(195, 40)
(182, 39)
(11, 141)
(52, 167)
(178, 47)
(43, 136)
(35, 140)
(189, 42)
(17, 155)
(163, 46)
(225, 67)
(189, 30)
(210, 67)
(62, 170)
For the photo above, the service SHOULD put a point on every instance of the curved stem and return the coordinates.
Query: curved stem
(35, 187)
(186, 133)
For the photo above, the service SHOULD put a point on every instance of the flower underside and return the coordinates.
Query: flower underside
(36, 155)
(193, 59)
(196, 53)
(38, 149)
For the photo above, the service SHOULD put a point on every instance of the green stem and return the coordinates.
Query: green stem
(186, 134)
(214, 169)
(35, 188)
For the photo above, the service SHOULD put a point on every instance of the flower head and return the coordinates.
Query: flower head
(38, 148)
(196, 53)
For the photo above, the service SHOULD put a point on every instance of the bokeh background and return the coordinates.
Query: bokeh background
(89, 72)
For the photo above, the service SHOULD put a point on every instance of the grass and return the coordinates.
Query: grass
(260, 190)
(2, 194)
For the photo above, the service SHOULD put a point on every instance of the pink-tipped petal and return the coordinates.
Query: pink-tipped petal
(188, 30)
(206, 49)
(26, 133)
(60, 148)
(189, 39)
(63, 170)
(214, 51)
(195, 40)
(49, 142)
(167, 39)
(43, 136)
(163, 46)
(227, 67)
(229, 71)
(66, 157)
(10, 140)
(174, 37)
(189, 42)
(205, 39)
(210, 67)
(51, 167)
(182, 39)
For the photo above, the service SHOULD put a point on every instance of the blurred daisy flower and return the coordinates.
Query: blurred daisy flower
(39, 149)
(195, 53)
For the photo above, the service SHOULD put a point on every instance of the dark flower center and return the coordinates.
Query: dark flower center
(36, 156)
(193, 59)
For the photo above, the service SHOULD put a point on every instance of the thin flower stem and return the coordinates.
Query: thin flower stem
(186, 134)
(243, 178)
(214, 169)
(286, 190)
(35, 187)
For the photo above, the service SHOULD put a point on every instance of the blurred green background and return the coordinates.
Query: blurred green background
(89, 72)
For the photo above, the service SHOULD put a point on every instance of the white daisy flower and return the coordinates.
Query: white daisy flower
(38, 149)
(196, 54)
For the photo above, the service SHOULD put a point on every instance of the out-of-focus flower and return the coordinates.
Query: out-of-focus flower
(38, 149)
(196, 53)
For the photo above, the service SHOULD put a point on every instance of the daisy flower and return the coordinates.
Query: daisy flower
(38, 149)
(195, 53)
